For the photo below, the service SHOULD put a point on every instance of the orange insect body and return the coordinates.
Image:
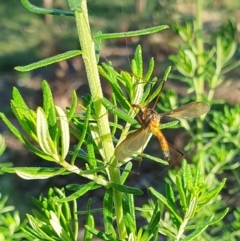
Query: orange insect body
(150, 122)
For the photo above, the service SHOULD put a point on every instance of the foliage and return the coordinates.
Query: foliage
(2, 145)
(192, 200)
(10, 223)
(203, 63)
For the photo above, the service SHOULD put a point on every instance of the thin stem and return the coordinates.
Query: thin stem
(75, 219)
(200, 50)
(199, 80)
(89, 58)
(181, 229)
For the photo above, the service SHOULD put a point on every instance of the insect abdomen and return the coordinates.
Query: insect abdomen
(162, 141)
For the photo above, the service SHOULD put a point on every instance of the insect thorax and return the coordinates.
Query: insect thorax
(150, 116)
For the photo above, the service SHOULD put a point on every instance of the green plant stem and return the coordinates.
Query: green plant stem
(181, 229)
(199, 87)
(89, 58)
(75, 219)
(199, 80)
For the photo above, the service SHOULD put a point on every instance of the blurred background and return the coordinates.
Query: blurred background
(26, 37)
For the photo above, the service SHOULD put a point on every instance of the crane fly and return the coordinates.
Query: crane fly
(150, 121)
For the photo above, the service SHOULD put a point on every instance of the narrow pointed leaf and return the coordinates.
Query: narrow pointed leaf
(101, 235)
(57, 227)
(211, 195)
(161, 198)
(45, 11)
(49, 108)
(138, 62)
(153, 224)
(129, 213)
(44, 138)
(78, 193)
(131, 33)
(15, 131)
(108, 213)
(65, 135)
(48, 61)
(126, 189)
(89, 222)
(121, 114)
(72, 110)
(30, 173)
(199, 229)
(126, 172)
(181, 191)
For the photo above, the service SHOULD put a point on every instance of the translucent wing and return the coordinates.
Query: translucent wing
(191, 110)
(133, 144)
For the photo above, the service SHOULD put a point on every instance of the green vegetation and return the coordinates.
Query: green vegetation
(192, 205)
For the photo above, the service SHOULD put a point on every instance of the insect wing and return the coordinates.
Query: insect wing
(191, 110)
(133, 144)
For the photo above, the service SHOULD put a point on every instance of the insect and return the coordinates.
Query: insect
(150, 121)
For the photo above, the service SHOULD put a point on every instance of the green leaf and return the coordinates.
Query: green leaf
(137, 63)
(153, 224)
(171, 199)
(110, 107)
(95, 210)
(101, 235)
(65, 135)
(75, 5)
(76, 187)
(199, 229)
(44, 139)
(30, 173)
(81, 139)
(191, 209)
(49, 109)
(89, 222)
(147, 95)
(57, 227)
(126, 80)
(149, 73)
(38, 10)
(108, 213)
(25, 116)
(209, 196)
(72, 110)
(48, 61)
(129, 213)
(2, 147)
(37, 231)
(181, 191)
(17, 98)
(162, 199)
(184, 175)
(115, 117)
(32, 148)
(131, 33)
(126, 189)
(113, 77)
(154, 94)
(84, 189)
(220, 217)
(166, 73)
(129, 223)
(156, 159)
(126, 171)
